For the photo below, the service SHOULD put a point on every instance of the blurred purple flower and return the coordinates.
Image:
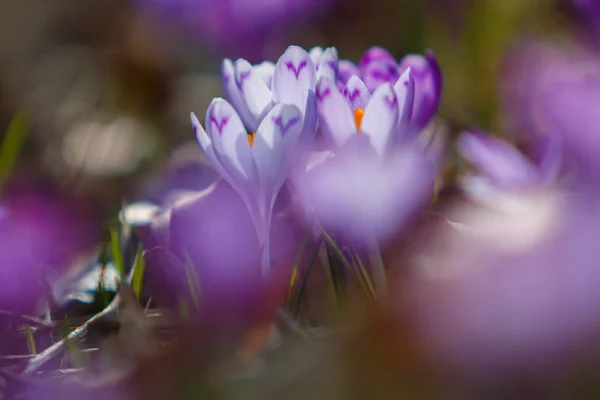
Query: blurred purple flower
(359, 196)
(39, 237)
(553, 94)
(511, 289)
(500, 166)
(237, 26)
(378, 66)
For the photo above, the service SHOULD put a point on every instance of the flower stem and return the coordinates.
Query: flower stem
(378, 269)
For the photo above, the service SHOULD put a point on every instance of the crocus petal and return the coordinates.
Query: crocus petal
(346, 70)
(428, 86)
(315, 54)
(293, 78)
(276, 136)
(405, 93)
(380, 118)
(497, 160)
(233, 93)
(265, 70)
(379, 72)
(334, 112)
(230, 140)
(373, 55)
(356, 93)
(253, 89)
(328, 64)
(207, 147)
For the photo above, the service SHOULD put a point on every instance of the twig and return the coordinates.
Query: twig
(27, 319)
(78, 334)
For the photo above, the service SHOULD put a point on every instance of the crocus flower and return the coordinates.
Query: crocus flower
(501, 167)
(254, 90)
(370, 185)
(255, 165)
(378, 66)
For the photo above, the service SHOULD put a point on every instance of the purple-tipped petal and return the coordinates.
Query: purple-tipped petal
(334, 112)
(265, 70)
(253, 90)
(356, 93)
(405, 93)
(328, 64)
(380, 118)
(346, 70)
(428, 86)
(498, 160)
(375, 54)
(379, 72)
(293, 78)
(230, 140)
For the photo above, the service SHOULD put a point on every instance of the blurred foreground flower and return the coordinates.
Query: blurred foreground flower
(510, 289)
(378, 66)
(38, 239)
(370, 184)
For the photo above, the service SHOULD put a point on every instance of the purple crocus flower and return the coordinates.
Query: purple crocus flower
(254, 90)
(378, 66)
(368, 186)
(256, 165)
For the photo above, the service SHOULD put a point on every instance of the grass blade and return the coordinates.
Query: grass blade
(139, 267)
(13, 142)
(30, 340)
(117, 253)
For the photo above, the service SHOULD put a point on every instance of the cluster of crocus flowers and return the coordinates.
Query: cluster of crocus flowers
(262, 135)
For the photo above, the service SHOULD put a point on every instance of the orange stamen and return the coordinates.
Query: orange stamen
(358, 117)
(251, 137)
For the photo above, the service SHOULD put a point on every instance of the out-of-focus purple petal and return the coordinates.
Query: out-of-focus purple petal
(347, 69)
(328, 64)
(375, 54)
(498, 160)
(358, 195)
(379, 72)
(514, 291)
(405, 93)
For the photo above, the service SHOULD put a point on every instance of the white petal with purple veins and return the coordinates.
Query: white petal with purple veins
(380, 118)
(315, 54)
(234, 95)
(293, 78)
(253, 89)
(328, 64)
(230, 140)
(265, 70)
(356, 93)
(335, 113)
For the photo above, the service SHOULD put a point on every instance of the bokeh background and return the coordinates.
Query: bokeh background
(107, 87)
